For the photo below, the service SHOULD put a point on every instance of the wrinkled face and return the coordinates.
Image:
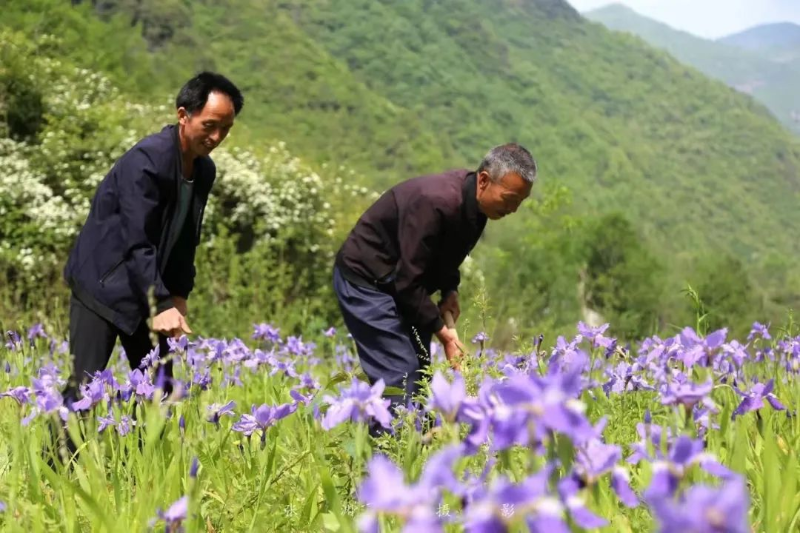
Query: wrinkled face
(498, 199)
(205, 129)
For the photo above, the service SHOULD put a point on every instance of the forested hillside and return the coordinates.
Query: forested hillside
(652, 175)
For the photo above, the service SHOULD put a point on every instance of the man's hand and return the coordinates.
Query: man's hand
(453, 348)
(171, 323)
(450, 303)
(180, 305)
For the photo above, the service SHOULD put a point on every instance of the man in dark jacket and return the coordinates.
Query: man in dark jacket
(410, 244)
(141, 234)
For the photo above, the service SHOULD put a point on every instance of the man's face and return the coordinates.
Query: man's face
(204, 130)
(498, 199)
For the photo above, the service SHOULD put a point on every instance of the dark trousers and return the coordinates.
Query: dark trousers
(388, 347)
(91, 342)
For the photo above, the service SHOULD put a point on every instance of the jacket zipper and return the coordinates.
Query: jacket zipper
(111, 271)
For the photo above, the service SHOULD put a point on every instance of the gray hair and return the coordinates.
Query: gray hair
(506, 158)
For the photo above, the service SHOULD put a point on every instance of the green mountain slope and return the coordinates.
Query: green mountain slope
(295, 91)
(399, 88)
(774, 83)
(695, 164)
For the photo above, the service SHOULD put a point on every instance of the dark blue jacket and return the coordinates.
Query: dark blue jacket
(120, 252)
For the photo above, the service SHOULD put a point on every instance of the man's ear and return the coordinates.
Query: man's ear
(483, 180)
(183, 115)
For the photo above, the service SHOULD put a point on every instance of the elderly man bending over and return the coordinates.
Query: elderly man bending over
(410, 244)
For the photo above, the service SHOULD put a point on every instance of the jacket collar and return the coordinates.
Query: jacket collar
(470, 203)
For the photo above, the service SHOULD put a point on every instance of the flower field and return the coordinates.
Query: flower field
(689, 433)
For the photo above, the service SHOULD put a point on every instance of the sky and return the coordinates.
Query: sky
(708, 18)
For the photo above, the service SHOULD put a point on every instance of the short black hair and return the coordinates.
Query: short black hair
(194, 94)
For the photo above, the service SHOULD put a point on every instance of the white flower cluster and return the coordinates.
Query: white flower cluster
(21, 186)
(276, 195)
(23, 192)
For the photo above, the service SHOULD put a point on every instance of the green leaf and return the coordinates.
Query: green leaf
(311, 499)
(330, 522)
(393, 391)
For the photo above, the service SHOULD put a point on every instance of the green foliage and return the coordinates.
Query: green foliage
(624, 281)
(727, 294)
(672, 152)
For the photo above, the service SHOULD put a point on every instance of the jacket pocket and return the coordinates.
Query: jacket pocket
(111, 271)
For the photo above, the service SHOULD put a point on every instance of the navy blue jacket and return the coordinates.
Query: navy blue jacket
(119, 253)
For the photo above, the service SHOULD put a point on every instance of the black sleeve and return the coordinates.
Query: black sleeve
(140, 217)
(419, 230)
(450, 282)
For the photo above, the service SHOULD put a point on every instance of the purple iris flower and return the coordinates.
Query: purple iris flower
(267, 333)
(202, 380)
(595, 334)
(258, 358)
(330, 332)
(92, 393)
(14, 341)
(284, 365)
(496, 507)
(652, 434)
(151, 358)
(105, 421)
(218, 411)
(20, 394)
(358, 403)
(480, 337)
(550, 400)
(195, 466)
(683, 391)
(736, 352)
(684, 453)
(125, 425)
(233, 380)
(307, 381)
(295, 346)
(175, 515)
(621, 484)
(704, 508)
(385, 491)
(345, 359)
(48, 397)
(446, 398)
(593, 461)
(107, 377)
(36, 331)
(591, 332)
(567, 357)
(760, 330)
(624, 377)
(702, 416)
(178, 345)
(263, 417)
(140, 384)
(596, 459)
(754, 399)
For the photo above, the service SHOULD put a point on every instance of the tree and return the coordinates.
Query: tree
(624, 280)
